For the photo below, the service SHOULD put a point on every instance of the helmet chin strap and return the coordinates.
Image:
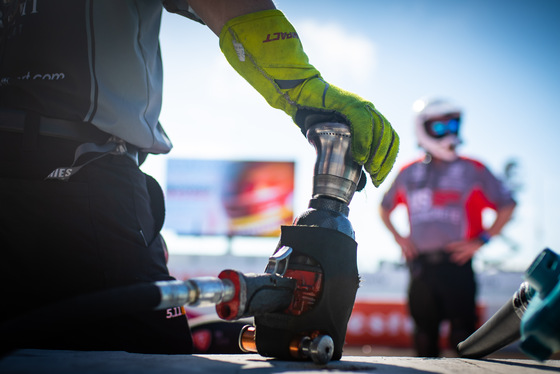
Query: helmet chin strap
(448, 156)
(441, 149)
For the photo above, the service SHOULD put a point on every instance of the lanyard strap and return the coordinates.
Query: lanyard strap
(114, 146)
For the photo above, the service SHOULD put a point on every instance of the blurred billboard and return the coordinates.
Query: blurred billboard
(225, 197)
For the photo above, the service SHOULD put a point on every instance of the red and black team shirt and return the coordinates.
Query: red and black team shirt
(445, 200)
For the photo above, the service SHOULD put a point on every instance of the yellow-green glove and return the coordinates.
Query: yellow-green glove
(264, 48)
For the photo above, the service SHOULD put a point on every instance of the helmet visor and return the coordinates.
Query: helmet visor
(442, 126)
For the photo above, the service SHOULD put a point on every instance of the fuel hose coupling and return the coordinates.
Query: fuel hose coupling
(199, 292)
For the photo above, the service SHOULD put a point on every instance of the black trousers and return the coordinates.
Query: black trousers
(95, 232)
(441, 290)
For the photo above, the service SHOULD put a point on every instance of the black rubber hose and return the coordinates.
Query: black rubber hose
(49, 318)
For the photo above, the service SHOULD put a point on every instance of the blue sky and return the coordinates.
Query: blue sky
(497, 59)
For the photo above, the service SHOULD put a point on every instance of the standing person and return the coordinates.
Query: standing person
(80, 97)
(445, 195)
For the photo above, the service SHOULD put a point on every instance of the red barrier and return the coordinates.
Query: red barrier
(387, 324)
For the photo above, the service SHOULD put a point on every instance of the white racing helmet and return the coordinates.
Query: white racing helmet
(437, 127)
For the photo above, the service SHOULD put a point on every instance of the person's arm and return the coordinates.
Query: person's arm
(463, 251)
(408, 249)
(265, 49)
(503, 216)
(385, 215)
(216, 13)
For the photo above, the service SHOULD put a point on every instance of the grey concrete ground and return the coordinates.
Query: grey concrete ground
(74, 362)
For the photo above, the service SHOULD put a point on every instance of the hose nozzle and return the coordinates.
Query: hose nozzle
(501, 329)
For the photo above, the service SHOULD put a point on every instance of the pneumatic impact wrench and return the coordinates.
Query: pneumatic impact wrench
(303, 301)
(318, 252)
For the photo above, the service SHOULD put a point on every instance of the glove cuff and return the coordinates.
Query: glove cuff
(264, 48)
(249, 18)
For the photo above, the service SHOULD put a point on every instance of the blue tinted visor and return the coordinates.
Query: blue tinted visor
(440, 127)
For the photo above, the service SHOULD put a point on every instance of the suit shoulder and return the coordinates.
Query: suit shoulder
(474, 162)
